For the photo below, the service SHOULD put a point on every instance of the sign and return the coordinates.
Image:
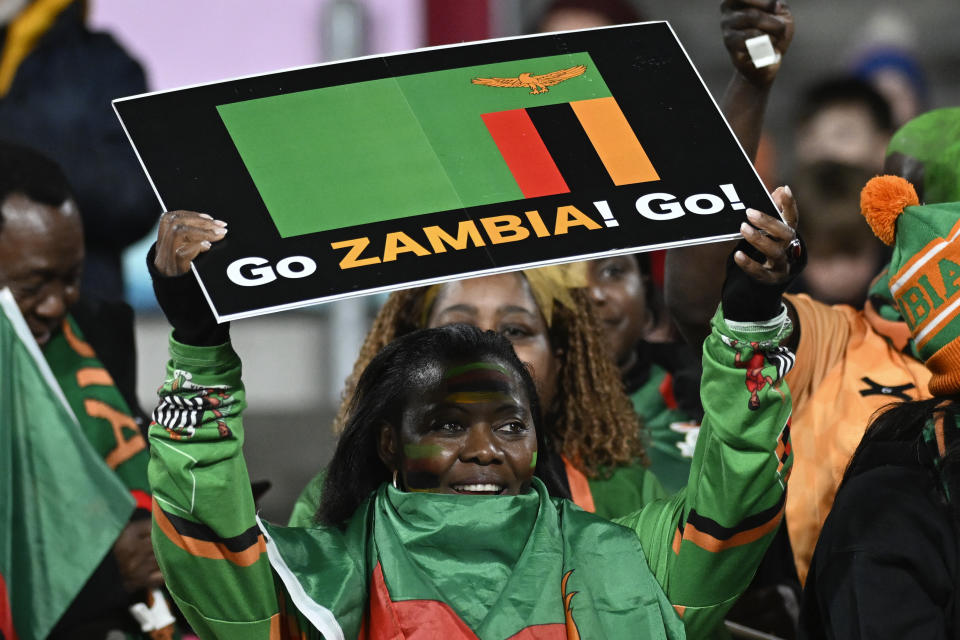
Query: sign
(394, 171)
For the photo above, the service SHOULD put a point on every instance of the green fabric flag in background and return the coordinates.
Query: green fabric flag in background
(61, 508)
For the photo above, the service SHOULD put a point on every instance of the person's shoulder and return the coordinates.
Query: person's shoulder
(888, 509)
(808, 308)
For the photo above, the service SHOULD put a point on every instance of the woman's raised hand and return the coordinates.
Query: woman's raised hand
(745, 19)
(183, 235)
(776, 240)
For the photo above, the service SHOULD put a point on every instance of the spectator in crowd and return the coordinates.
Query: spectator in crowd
(886, 563)
(453, 411)
(57, 79)
(90, 349)
(845, 120)
(662, 378)
(568, 15)
(844, 257)
(850, 364)
(885, 54)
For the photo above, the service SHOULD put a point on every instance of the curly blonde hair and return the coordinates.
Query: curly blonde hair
(591, 419)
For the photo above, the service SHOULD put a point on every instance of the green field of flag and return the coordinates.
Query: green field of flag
(392, 148)
(61, 508)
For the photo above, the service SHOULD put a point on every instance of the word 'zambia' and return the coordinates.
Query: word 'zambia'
(499, 229)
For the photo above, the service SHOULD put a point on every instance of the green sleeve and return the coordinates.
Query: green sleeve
(205, 534)
(305, 508)
(705, 543)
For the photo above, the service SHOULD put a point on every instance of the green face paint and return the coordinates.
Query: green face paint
(533, 461)
(421, 451)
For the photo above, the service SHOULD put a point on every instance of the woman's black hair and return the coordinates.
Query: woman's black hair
(356, 469)
(902, 423)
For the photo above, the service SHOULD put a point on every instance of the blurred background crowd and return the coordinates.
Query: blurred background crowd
(856, 70)
(855, 73)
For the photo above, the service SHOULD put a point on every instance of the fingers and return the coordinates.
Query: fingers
(754, 269)
(770, 237)
(182, 236)
(771, 248)
(783, 198)
(754, 20)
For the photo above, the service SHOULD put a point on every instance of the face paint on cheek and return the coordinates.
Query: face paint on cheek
(417, 460)
(421, 451)
(533, 460)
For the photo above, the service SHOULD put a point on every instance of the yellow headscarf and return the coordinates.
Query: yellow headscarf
(549, 285)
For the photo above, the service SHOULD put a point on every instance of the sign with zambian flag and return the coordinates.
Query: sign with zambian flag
(51, 479)
(392, 171)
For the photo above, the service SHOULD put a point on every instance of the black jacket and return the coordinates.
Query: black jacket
(59, 104)
(886, 562)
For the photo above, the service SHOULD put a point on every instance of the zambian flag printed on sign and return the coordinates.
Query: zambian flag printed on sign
(398, 147)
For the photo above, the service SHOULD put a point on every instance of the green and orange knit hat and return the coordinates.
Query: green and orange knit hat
(924, 271)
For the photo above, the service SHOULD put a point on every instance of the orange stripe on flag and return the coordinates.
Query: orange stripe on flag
(615, 142)
(82, 348)
(579, 488)
(94, 376)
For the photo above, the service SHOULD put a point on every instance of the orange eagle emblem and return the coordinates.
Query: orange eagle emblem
(536, 84)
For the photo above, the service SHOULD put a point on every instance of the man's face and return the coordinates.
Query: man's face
(41, 255)
(843, 132)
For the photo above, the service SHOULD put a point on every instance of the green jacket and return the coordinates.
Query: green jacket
(424, 565)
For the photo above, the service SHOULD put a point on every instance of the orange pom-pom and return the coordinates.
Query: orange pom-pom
(882, 200)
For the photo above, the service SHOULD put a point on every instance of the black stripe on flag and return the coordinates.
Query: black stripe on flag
(570, 147)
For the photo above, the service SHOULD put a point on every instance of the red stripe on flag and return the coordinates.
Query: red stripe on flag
(6, 613)
(142, 498)
(525, 154)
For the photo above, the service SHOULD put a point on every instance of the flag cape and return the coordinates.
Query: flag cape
(525, 566)
(50, 478)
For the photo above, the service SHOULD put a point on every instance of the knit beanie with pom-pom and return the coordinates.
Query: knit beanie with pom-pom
(924, 271)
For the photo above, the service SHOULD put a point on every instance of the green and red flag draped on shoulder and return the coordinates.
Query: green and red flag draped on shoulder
(51, 478)
(417, 565)
(540, 126)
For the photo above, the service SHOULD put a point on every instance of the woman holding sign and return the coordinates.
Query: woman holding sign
(545, 313)
(437, 516)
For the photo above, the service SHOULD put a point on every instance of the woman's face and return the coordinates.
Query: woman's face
(466, 428)
(503, 303)
(618, 294)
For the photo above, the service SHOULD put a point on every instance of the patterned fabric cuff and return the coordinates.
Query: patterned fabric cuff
(767, 334)
(191, 354)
